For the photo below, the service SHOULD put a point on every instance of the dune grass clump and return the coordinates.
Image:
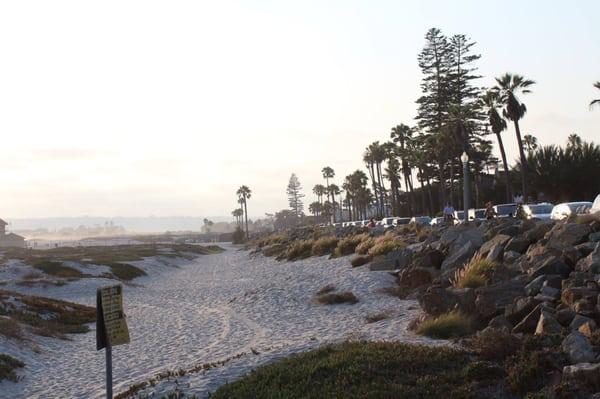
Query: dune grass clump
(124, 271)
(347, 245)
(335, 298)
(299, 250)
(271, 239)
(364, 246)
(375, 317)
(373, 370)
(10, 328)
(324, 245)
(360, 261)
(57, 269)
(450, 325)
(8, 365)
(386, 243)
(474, 274)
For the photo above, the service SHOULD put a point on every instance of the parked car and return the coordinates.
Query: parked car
(477, 214)
(505, 210)
(459, 217)
(401, 221)
(566, 209)
(421, 220)
(541, 211)
(388, 222)
(437, 221)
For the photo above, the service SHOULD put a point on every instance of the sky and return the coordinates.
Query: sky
(164, 108)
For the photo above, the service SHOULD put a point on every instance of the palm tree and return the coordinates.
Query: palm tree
(530, 142)
(574, 141)
(315, 208)
(328, 173)
(508, 87)
(333, 191)
(498, 125)
(402, 134)
(369, 160)
(319, 190)
(596, 101)
(244, 194)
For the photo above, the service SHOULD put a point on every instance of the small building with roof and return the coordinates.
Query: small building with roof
(10, 239)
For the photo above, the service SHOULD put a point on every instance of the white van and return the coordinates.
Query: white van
(566, 209)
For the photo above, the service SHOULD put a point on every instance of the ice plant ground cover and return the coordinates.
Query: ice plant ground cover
(230, 311)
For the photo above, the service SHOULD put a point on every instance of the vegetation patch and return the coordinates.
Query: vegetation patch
(8, 365)
(365, 370)
(375, 317)
(364, 246)
(56, 268)
(384, 246)
(324, 246)
(299, 250)
(450, 325)
(347, 245)
(474, 274)
(335, 298)
(124, 271)
(10, 328)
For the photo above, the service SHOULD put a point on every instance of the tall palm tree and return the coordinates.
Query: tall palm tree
(498, 125)
(508, 87)
(596, 101)
(401, 134)
(333, 191)
(574, 141)
(244, 194)
(319, 190)
(530, 142)
(328, 173)
(369, 160)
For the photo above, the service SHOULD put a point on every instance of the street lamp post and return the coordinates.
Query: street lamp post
(465, 161)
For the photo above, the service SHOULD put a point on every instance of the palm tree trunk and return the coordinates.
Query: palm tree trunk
(246, 216)
(506, 172)
(523, 161)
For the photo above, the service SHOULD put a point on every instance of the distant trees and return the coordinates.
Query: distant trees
(207, 225)
(596, 101)
(238, 213)
(244, 193)
(498, 125)
(509, 86)
(530, 142)
(295, 195)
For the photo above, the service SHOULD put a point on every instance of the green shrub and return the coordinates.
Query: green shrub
(493, 344)
(359, 261)
(299, 249)
(474, 274)
(364, 246)
(450, 325)
(8, 364)
(55, 268)
(324, 245)
(337, 298)
(347, 245)
(374, 370)
(384, 246)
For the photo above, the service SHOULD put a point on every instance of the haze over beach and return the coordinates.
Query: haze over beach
(150, 108)
(257, 199)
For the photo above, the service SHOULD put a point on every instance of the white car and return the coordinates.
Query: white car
(566, 209)
(437, 221)
(542, 211)
(505, 210)
(477, 214)
(596, 205)
(421, 220)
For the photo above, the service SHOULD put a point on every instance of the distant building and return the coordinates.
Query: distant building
(10, 239)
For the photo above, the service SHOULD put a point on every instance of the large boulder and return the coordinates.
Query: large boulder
(521, 307)
(518, 244)
(459, 257)
(428, 257)
(436, 301)
(415, 277)
(529, 323)
(539, 231)
(590, 263)
(535, 285)
(578, 348)
(492, 300)
(571, 295)
(456, 237)
(583, 375)
(400, 257)
(552, 265)
(499, 240)
(547, 324)
(568, 234)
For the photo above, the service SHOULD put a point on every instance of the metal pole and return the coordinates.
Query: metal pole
(466, 190)
(109, 393)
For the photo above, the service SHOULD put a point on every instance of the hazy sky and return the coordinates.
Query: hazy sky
(164, 108)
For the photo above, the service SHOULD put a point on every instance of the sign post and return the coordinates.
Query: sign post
(111, 326)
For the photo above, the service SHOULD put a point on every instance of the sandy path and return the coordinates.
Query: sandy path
(216, 307)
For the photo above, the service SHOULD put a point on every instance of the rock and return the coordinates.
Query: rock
(518, 244)
(457, 237)
(436, 301)
(590, 263)
(571, 295)
(401, 258)
(578, 321)
(415, 277)
(550, 292)
(459, 257)
(588, 328)
(496, 253)
(539, 231)
(535, 285)
(565, 316)
(554, 281)
(576, 279)
(539, 253)
(583, 375)
(498, 240)
(594, 237)
(552, 265)
(529, 322)
(492, 300)
(586, 248)
(500, 322)
(521, 307)
(567, 234)
(511, 256)
(578, 348)
(428, 257)
(584, 307)
(511, 230)
(382, 265)
(547, 324)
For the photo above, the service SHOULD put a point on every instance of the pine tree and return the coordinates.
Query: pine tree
(295, 196)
